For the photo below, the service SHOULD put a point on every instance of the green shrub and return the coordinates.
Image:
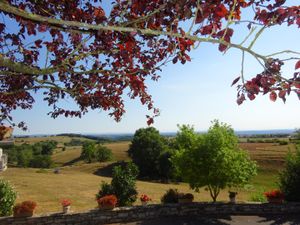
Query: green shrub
(103, 154)
(7, 198)
(122, 184)
(289, 179)
(171, 196)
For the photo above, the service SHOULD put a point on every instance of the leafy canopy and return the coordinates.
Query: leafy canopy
(212, 160)
(93, 52)
(148, 151)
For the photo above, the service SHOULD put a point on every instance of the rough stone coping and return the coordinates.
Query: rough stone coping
(153, 211)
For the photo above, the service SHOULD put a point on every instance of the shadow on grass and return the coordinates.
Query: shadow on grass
(73, 161)
(106, 171)
(287, 219)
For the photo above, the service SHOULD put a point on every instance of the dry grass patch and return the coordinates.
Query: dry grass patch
(119, 150)
(79, 184)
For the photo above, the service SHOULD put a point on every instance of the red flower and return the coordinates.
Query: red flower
(274, 194)
(26, 206)
(108, 200)
(65, 202)
(145, 198)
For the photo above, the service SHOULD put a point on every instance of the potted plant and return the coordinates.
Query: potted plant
(145, 199)
(185, 198)
(107, 202)
(274, 196)
(232, 196)
(66, 204)
(24, 209)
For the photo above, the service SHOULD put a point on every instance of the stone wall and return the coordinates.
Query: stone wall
(126, 214)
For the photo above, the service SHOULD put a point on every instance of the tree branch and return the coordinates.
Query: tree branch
(64, 23)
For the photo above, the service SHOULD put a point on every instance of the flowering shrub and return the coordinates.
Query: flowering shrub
(145, 198)
(65, 202)
(24, 207)
(275, 194)
(108, 200)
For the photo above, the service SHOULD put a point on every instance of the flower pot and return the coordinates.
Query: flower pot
(106, 207)
(275, 200)
(144, 203)
(66, 209)
(185, 200)
(23, 214)
(232, 200)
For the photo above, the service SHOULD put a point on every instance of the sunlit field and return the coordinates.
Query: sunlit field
(80, 182)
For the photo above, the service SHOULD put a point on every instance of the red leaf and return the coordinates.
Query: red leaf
(282, 94)
(2, 26)
(150, 121)
(221, 11)
(297, 66)
(235, 81)
(187, 58)
(175, 60)
(273, 96)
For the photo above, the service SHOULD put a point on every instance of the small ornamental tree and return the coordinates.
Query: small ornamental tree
(93, 51)
(145, 150)
(214, 160)
(289, 179)
(7, 198)
(123, 183)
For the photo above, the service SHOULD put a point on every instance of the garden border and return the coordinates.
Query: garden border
(154, 211)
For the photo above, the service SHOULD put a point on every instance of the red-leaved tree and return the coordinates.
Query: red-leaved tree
(94, 52)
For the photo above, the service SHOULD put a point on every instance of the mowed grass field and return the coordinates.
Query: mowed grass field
(80, 182)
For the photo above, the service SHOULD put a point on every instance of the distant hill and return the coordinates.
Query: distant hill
(129, 136)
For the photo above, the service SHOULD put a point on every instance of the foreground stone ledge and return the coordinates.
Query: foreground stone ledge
(127, 214)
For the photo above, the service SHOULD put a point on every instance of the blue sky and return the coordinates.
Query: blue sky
(195, 93)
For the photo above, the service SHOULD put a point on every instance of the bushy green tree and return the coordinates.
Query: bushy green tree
(91, 152)
(7, 198)
(165, 166)
(213, 159)
(103, 153)
(145, 149)
(41, 161)
(37, 155)
(88, 152)
(289, 179)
